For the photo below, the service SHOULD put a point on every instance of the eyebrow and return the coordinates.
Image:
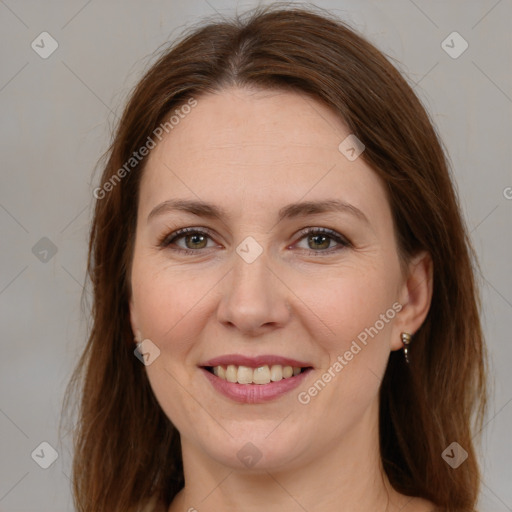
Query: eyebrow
(301, 209)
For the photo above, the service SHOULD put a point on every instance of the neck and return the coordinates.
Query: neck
(348, 476)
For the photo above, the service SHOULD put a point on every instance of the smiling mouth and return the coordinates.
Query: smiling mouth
(261, 375)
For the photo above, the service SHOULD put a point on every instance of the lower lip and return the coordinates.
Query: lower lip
(255, 393)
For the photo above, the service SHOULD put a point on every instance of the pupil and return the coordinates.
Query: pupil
(318, 237)
(195, 238)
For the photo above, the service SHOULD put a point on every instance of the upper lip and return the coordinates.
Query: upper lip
(254, 362)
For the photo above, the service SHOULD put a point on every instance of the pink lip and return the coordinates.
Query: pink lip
(254, 393)
(253, 362)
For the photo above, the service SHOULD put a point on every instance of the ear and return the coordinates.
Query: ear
(134, 322)
(415, 297)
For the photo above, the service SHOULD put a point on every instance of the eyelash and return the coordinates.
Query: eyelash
(167, 240)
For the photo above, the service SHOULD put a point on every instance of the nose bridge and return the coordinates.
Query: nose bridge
(253, 297)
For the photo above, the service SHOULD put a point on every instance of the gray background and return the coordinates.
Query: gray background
(57, 117)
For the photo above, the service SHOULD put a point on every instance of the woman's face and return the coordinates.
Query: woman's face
(255, 176)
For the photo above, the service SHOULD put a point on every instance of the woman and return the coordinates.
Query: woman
(285, 313)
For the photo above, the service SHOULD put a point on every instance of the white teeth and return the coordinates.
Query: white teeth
(287, 372)
(231, 373)
(261, 375)
(221, 372)
(276, 372)
(244, 375)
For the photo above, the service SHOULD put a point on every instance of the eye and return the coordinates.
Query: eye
(194, 239)
(320, 239)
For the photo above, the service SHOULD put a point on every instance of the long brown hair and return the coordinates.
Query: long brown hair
(125, 448)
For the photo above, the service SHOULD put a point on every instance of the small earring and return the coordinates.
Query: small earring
(406, 340)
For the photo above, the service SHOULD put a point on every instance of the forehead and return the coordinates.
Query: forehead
(260, 148)
(244, 122)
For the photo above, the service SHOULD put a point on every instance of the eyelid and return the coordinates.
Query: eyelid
(338, 237)
(169, 238)
(166, 240)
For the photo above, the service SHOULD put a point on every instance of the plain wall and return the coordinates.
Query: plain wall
(56, 119)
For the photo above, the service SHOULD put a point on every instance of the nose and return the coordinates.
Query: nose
(254, 300)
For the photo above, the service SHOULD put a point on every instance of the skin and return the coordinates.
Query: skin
(252, 152)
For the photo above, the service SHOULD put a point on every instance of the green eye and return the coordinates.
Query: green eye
(194, 239)
(320, 239)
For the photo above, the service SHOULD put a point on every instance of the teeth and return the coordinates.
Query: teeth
(220, 372)
(261, 375)
(231, 373)
(276, 372)
(287, 372)
(244, 375)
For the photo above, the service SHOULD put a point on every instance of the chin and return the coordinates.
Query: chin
(253, 451)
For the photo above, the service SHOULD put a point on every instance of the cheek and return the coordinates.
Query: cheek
(168, 309)
(359, 313)
(347, 305)
(164, 298)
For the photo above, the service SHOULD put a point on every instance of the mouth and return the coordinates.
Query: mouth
(254, 379)
(260, 375)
